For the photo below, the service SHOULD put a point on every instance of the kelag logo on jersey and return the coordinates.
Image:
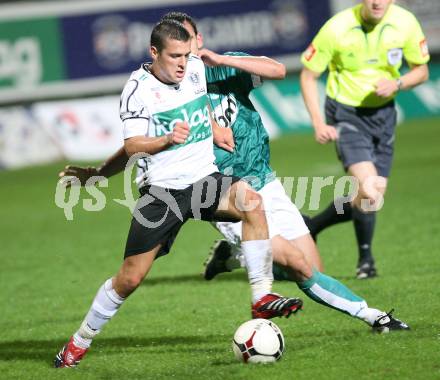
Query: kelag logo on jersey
(225, 109)
(195, 113)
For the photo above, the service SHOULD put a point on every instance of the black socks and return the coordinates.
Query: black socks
(364, 224)
(336, 212)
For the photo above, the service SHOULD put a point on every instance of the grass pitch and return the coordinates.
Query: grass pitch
(177, 325)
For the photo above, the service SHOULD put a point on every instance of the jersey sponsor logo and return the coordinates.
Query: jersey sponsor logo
(195, 113)
(424, 47)
(395, 56)
(310, 52)
(225, 113)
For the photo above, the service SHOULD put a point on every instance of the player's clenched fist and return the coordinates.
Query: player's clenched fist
(82, 173)
(386, 88)
(179, 134)
(325, 133)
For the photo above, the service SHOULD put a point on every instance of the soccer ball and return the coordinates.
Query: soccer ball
(258, 341)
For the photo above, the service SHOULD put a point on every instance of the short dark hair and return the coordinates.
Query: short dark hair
(168, 29)
(181, 17)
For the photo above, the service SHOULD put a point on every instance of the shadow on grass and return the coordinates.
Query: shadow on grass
(226, 277)
(45, 350)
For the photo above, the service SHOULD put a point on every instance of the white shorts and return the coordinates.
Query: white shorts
(283, 217)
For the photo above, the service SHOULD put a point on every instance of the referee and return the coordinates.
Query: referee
(363, 48)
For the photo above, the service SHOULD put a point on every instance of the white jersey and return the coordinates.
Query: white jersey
(152, 108)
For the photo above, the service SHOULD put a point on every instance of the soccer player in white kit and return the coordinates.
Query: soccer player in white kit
(166, 118)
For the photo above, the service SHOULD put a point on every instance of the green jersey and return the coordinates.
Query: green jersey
(228, 93)
(357, 56)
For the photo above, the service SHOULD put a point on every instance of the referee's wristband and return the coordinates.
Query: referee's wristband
(399, 84)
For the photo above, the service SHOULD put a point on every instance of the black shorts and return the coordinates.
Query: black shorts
(160, 212)
(365, 134)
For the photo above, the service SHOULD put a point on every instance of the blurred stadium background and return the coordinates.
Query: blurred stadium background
(63, 64)
(62, 67)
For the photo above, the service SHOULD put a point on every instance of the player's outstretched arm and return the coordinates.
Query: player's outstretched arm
(110, 167)
(153, 145)
(114, 164)
(265, 67)
(309, 89)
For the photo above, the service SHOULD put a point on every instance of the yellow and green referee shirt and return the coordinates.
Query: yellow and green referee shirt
(358, 57)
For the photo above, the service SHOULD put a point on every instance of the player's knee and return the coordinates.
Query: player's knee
(369, 199)
(364, 195)
(248, 201)
(372, 187)
(131, 281)
(253, 201)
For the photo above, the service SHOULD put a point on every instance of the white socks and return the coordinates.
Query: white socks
(104, 307)
(258, 259)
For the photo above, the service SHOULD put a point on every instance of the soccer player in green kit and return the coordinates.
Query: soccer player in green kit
(363, 48)
(230, 79)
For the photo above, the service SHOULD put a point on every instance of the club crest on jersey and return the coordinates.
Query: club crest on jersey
(395, 56)
(194, 77)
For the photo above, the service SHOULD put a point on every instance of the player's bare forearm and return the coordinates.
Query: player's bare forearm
(114, 164)
(417, 75)
(264, 67)
(388, 87)
(309, 87)
(309, 90)
(149, 145)
(153, 145)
